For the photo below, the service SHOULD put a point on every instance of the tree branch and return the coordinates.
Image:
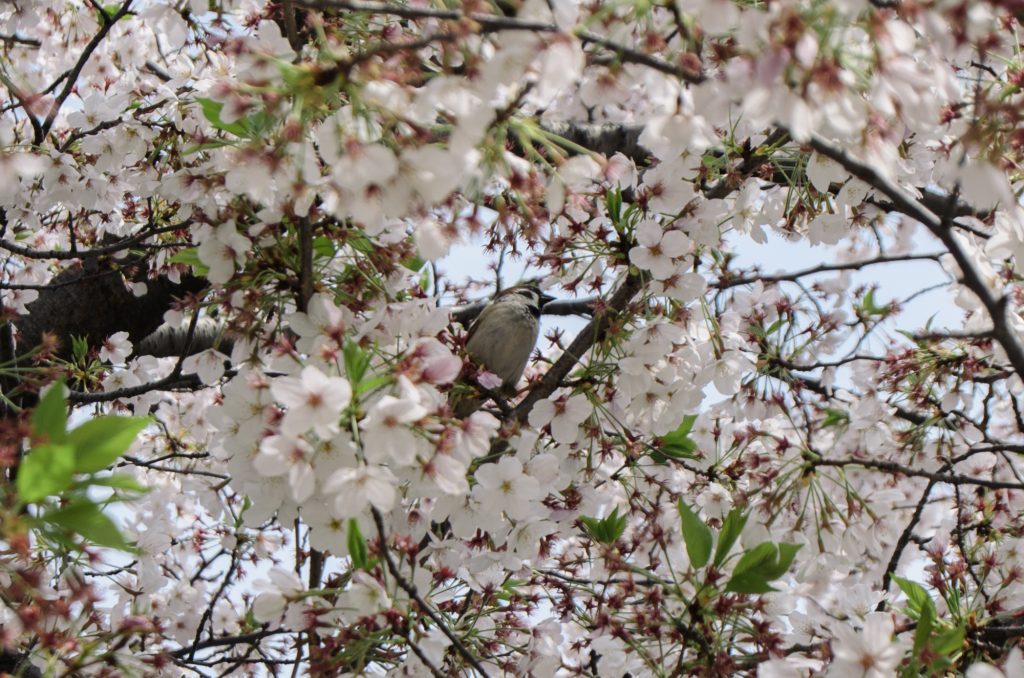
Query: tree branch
(893, 467)
(972, 277)
(593, 333)
(410, 590)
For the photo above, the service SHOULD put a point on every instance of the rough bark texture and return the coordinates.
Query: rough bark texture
(90, 299)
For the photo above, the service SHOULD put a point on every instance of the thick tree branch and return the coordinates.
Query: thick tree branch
(108, 249)
(99, 305)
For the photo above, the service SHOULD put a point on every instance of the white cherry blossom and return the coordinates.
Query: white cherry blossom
(563, 414)
(313, 401)
(658, 249)
(354, 490)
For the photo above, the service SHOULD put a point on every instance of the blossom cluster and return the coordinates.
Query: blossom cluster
(783, 441)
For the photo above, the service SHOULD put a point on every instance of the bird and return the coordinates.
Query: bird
(501, 340)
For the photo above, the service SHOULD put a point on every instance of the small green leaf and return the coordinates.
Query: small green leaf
(757, 558)
(834, 417)
(357, 546)
(323, 247)
(205, 146)
(414, 263)
(762, 564)
(212, 110)
(917, 597)
(370, 384)
(79, 348)
(923, 631)
(678, 444)
(730, 532)
(190, 257)
(774, 327)
(360, 243)
(606, 530)
(779, 567)
(613, 205)
(246, 505)
(45, 471)
(948, 642)
(870, 307)
(50, 418)
(696, 535)
(749, 582)
(356, 361)
(101, 441)
(749, 574)
(85, 518)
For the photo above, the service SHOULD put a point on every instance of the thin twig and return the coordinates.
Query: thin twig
(410, 589)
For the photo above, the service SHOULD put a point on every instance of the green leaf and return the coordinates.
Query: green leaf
(323, 247)
(917, 597)
(606, 530)
(357, 546)
(757, 558)
(119, 481)
(871, 308)
(786, 554)
(101, 441)
(190, 257)
(45, 471)
(414, 263)
(923, 630)
(696, 535)
(85, 518)
(356, 361)
(205, 146)
(774, 327)
(834, 417)
(211, 111)
(50, 418)
(613, 206)
(246, 505)
(370, 384)
(79, 348)
(360, 243)
(760, 565)
(731, 530)
(948, 642)
(678, 444)
(749, 582)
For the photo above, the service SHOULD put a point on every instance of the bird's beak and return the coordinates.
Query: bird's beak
(545, 298)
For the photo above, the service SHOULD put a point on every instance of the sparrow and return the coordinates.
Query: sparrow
(501, 340)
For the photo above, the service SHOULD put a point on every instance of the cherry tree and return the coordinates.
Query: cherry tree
(229, 341)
